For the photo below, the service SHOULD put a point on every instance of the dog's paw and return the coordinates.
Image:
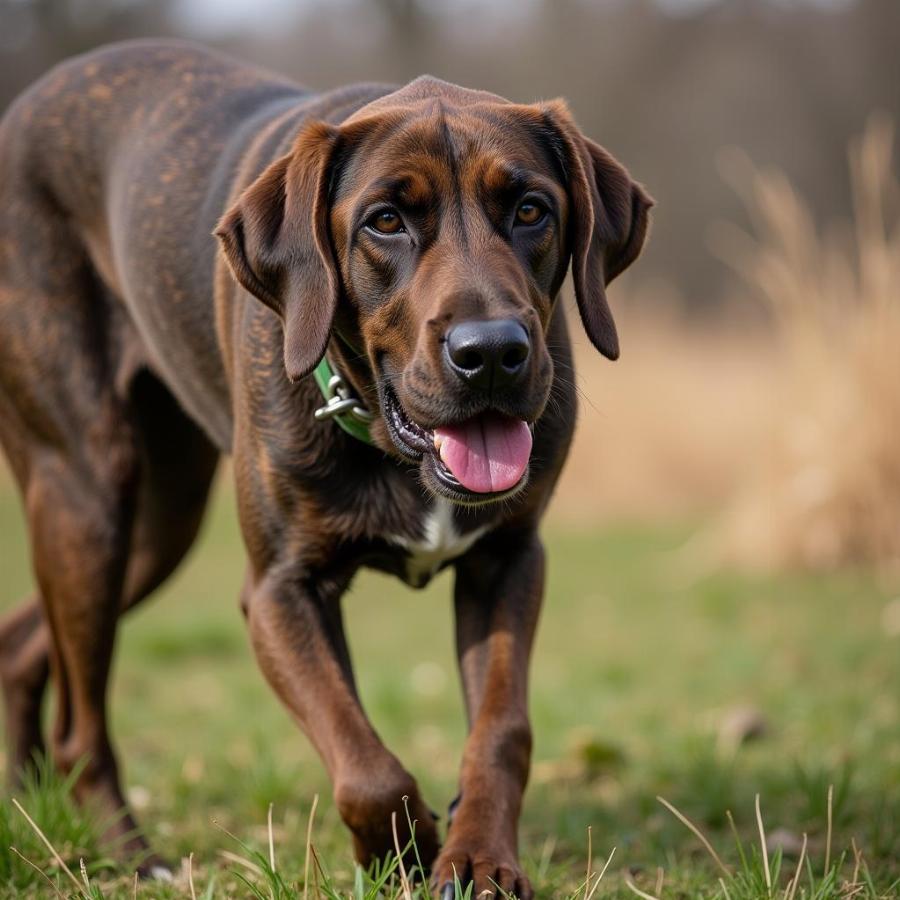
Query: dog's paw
(492, 874)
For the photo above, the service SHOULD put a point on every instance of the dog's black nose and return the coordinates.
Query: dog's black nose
(490, 354)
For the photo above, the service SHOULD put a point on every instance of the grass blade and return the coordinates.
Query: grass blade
(765, 850)
(639, 892)
(602, 873)
(191, 876)
(737, 838)
(59, 860)
(587, 881)
(699, 834)
(792, 884)
(43, 874)
(309, 828)
(271, 839)
(412, 831)
(404, 881)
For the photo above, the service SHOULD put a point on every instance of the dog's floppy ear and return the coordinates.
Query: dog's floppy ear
(276, 241)
(608, 222)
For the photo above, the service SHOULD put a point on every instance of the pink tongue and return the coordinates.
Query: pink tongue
(486, 454)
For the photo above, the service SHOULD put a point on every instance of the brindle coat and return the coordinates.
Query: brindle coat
(134, 354)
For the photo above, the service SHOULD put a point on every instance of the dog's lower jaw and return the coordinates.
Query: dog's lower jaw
(417, 444)
(440, 482)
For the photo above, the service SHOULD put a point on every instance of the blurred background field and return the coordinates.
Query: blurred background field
(723, 614)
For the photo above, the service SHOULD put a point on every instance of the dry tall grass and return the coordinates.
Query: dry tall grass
(826, 491)
(667, 431)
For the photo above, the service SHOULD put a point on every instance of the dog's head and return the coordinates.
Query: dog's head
(432, 231)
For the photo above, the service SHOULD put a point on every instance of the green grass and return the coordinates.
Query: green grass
(637, 665)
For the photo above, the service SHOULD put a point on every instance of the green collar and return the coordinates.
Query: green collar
(340, 404)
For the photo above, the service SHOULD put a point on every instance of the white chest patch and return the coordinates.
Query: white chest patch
(440, 542)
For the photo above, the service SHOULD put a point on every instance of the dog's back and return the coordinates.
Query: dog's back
(128, 155)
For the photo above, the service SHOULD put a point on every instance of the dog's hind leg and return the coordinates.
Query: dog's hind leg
(99, 536)
(24, 667)
(80, 520)
(177, 466)
(74, 453)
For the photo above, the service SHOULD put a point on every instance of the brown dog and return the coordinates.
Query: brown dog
(417, 238)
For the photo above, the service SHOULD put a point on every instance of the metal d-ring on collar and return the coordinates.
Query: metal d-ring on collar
(340, 404)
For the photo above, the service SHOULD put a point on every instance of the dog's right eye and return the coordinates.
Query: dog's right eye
(530, 212)
(386, 221)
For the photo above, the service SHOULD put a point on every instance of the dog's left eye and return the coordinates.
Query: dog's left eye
(530, 212)
(386, 221)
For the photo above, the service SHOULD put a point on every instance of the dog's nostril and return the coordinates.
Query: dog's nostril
(469, 359)
(515, 356)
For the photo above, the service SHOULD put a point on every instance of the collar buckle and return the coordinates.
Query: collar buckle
(339, 401)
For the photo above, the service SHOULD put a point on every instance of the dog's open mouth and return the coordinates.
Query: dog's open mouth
(485, 455)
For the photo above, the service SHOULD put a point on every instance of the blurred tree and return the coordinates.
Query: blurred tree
(790, 83)
(409, 27)
(35, 34)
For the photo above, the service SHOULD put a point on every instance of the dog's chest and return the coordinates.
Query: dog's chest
(441, 541)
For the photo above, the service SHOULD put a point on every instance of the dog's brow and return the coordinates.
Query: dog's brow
(511, 179)
(408, 189)
(506, 181)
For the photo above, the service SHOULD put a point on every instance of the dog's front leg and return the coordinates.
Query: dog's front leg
(499, 587)
(297, 632)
